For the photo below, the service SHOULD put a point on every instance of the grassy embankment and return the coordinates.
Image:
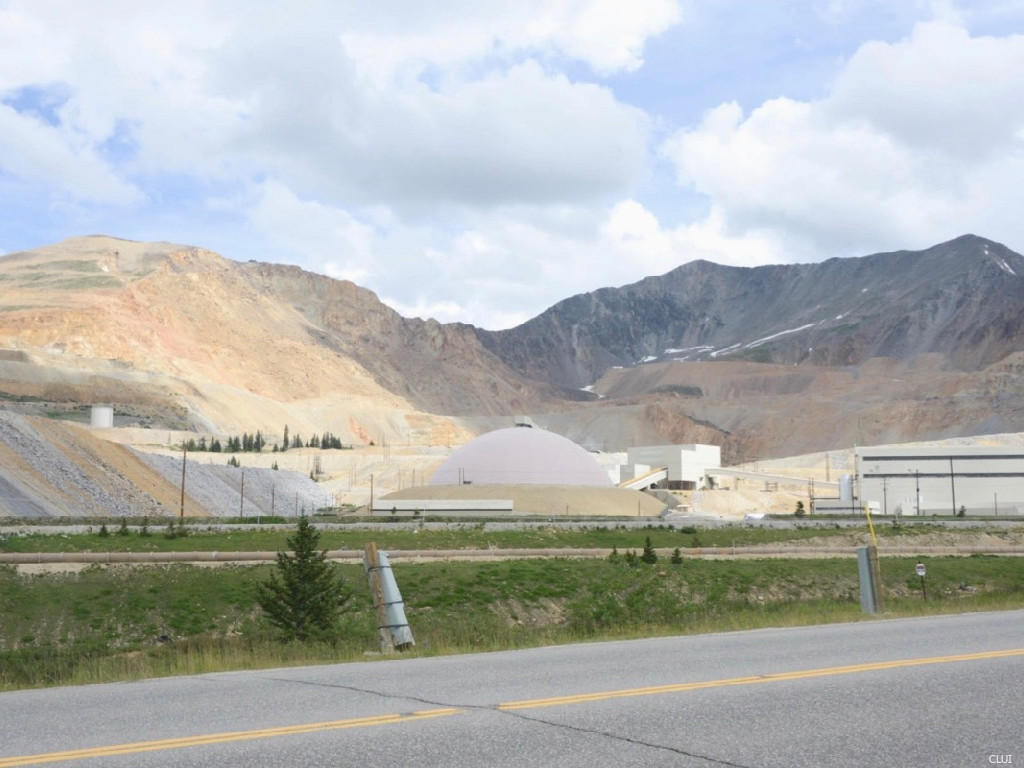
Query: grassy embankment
(466, 536)
(114, 623)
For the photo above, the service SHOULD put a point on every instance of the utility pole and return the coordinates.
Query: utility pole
(184, 453)
(952, 484)
(917, 492)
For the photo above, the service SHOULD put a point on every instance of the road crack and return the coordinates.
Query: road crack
(519, 715)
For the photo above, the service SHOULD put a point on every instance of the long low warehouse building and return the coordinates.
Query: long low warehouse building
(947, 480)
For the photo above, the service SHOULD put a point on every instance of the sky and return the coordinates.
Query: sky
(479, 162)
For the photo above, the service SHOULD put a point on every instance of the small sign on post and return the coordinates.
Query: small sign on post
(920, 570)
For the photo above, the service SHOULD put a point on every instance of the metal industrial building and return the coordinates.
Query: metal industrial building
(910, 480)
(685, 466)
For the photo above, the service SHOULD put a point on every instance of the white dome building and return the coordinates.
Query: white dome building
(521, 456)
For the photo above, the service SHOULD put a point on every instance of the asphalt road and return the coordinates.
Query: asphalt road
(936, 691)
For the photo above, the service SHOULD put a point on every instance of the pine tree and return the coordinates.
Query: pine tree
(305, 596)
(649, 556)
(284, 442)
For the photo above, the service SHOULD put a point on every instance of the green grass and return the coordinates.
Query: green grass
(469, 536)
(115, 623)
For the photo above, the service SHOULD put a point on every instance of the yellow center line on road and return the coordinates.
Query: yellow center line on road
(558, 701)
(362, 722)
(221, 738)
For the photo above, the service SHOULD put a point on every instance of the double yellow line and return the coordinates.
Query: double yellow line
(559, 701)
(221, 738)
(556, 701)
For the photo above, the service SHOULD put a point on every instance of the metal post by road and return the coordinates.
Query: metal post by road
(870, 580)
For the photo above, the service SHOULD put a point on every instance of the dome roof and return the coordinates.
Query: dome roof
(521, 455)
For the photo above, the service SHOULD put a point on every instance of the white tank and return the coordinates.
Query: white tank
(102, 416)
(846, 487)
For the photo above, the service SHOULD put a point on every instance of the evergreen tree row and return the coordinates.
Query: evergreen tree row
(256, 442)
(326, 440)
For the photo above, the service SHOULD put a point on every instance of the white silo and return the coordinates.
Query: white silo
(102, 416)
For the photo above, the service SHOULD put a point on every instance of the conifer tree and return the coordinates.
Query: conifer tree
(649, 556)
(305, 596)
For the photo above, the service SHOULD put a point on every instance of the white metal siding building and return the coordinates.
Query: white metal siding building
(909, 480)
(687, 464)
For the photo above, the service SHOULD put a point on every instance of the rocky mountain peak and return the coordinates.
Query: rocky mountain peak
(961, 298)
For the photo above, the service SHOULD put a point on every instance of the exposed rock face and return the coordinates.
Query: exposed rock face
(963, 299)
(439, 368)
(227, 337)
(772, 361)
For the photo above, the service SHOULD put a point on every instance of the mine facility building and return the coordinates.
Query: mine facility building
(684, 467)
(909, 480)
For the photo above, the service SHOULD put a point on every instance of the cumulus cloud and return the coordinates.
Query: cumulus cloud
(917, 141)
(459, 107)
(520, 134)
(481, 161)
(406, 38)
(35, 151)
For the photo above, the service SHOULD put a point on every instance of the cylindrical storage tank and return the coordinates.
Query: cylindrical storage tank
(846, 487)
(102, 416)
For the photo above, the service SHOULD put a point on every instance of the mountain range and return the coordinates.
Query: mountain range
(765, 361)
